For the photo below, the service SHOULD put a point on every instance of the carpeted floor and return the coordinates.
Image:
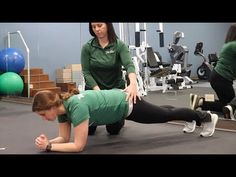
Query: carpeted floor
(19, 127)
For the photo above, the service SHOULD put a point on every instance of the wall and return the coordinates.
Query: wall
(54, 45)
(211, 34)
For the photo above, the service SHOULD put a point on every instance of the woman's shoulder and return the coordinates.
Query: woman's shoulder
(229, 46)
(230, 43)
(233, 43)
(89, 43)
(121, 45)
(119, 42)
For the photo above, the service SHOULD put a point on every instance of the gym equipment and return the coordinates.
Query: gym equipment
(27, 51)
(152, 73)
(145, 72)
(11, 60)
(204, 70)
(175, 81)
(147, 64)
(179, 55)
(11, 84)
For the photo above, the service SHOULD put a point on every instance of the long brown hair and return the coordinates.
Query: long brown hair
(110, 32)
(231, 34)
(46, 99)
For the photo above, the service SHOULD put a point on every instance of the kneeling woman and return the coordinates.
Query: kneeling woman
(101, 108)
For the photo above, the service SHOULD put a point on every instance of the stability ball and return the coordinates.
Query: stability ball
(11, 83)
(11, 60)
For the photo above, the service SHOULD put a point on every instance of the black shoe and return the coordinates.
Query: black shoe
(114, 129)
(92, 130)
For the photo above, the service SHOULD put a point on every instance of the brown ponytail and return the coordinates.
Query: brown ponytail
(46, 99)
(67, 95)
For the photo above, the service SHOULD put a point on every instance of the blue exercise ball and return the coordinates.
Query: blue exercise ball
(11, 83)
(11, 60)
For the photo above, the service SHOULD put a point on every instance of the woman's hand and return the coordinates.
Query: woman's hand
(41, 142)
(96, 88)
(132, 90)
(132, 93)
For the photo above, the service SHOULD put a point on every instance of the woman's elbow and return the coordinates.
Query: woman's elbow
(65, 139)
(79, 148)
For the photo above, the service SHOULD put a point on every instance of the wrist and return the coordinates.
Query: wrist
(48, 147)
(133, 83)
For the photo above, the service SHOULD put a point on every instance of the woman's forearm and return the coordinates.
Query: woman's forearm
(67, 147)
(58, 139)
(132, 78)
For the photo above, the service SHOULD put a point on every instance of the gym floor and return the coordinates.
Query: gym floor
(19, 127)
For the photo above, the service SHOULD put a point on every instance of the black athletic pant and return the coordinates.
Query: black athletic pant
(224, 91)
(144, 112)
(233, 103)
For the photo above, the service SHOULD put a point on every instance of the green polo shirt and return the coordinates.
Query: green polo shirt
(226, 66)
(103, 67)
(100, 107)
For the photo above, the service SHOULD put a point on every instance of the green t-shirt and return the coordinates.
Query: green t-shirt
(226, 66)
(103, 66)
(100, 107)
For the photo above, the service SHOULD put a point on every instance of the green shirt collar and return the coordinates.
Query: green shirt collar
(95, 43)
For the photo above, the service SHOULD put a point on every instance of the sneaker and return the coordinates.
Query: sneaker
(194, 101)
(209, 127)
(228, 112)
(189, 127)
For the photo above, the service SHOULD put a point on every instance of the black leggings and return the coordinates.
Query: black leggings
(144, 112)
(224, 91)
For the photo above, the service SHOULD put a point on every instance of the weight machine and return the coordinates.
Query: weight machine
(179, 55)
(153, 74)
(147, 64)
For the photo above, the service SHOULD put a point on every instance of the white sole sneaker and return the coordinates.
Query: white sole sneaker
(228, 112)
(209, 127)
(189, 127)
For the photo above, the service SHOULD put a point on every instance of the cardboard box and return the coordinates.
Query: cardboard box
(63, 73)
(63, 80)
(74, 67)
(210, 97)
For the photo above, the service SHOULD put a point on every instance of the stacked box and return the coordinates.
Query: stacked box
(63, 75)
(76, 74)
(71, 73)
(33, 71)
(74, 67)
